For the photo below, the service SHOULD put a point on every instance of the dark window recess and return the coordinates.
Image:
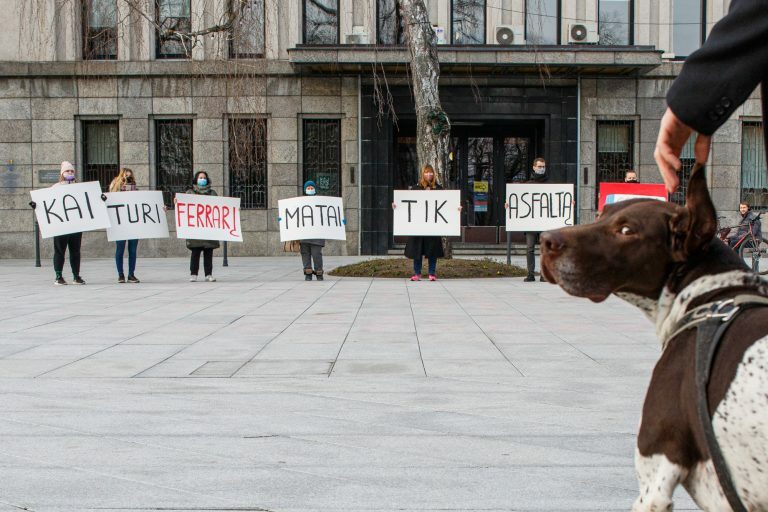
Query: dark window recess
(174, 20)
(321, 21)
(468, 20)
(754, 175)
(516, 158)
(173, 157)
(390, 23)
(99, 29)
(322, 155)
(615, 150)
(248, 162)
(688, 26)
(542, 22)
(688, 159)
(101, 151)
(407, 163)
(247, 38)
(615, 21)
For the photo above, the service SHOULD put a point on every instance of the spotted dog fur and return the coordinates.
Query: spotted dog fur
(663, 259)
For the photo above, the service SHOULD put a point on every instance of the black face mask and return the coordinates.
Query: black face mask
(630, 181)
(129, 179)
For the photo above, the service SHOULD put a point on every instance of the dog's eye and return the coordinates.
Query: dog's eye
(625, 230)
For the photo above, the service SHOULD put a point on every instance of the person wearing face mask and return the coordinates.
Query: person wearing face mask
(125, 182)
(201, 186)
(631, 177)
(539, 175)
(312, 248)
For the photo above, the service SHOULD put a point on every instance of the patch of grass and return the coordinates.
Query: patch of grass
(446, 269)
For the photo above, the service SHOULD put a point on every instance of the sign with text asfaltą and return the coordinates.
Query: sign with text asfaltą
(203, 217)
(427, 213)
(307, 217)
(74, 208)
(539, 207)
(135, 215)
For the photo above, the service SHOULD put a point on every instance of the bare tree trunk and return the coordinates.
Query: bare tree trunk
(433, 129)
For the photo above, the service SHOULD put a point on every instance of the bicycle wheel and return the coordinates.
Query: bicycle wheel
(752, 256)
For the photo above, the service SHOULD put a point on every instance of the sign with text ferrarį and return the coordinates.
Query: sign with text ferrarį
(71, 208)
(539, 207)
(203, 217)
(306, 217)
(427, 213)
(135, 215)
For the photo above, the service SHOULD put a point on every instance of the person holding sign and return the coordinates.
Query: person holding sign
(312, 248)
(125, 182)
(201, 186)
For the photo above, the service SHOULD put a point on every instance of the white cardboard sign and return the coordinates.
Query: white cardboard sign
(203, 217)
(306, 217)
(73, 208)
(135, 215)
(427, 213)
(539, 207)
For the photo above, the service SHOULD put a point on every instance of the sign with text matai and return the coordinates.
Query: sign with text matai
(135, 215)
(539, 207)
(71, 208)
(427, 213)
(203, 217)
(306, 217)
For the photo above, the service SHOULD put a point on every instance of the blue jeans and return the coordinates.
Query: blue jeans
(417, 264)
(120, 250)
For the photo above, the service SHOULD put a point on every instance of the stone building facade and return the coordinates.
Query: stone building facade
(291, 91)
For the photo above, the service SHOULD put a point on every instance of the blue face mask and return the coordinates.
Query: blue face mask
(311, 191)
(202, 182)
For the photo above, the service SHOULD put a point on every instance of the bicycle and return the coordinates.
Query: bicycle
(749, 247)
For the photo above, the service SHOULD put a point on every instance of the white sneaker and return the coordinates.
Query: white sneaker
(210, 279)
(192, 278)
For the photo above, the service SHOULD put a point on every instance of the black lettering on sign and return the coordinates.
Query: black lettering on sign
(116, 208)
(48, 211)
(136, 211)
(333, 214)
(409, 201)
(291, 215)
(71, 207)
(437, 212)
(541, 205)
(307, 214)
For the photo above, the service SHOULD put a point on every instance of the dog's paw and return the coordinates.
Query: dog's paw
(652, 503)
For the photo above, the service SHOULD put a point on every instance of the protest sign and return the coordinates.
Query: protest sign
(70, 208)
(615, 192)
(135, 215)
(203, 217)
(306, 217)
(427, 213)
(539, 207)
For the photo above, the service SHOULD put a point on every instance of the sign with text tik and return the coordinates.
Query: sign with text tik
(306, 217)
(539, 207)
(203, 217)
(427, 213)
(65, 209)
(135, 215)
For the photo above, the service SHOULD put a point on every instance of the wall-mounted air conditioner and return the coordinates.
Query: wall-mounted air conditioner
(583, 33)
(507, 35)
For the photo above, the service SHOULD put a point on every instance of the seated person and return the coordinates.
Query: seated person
(748, 218)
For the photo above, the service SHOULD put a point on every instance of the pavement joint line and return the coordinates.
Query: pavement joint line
(415, 327)
(351, 326)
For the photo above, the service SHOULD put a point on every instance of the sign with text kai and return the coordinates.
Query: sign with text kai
(306, 217)
(204, 217)
(427, 213)
(135, 215)
(539, 207)
(65, 209)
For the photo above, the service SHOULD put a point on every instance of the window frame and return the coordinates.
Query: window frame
(702, 29)
(760, 159)
(84, 174)
(231, 46)
(632, 124)
(485, 26)
(87, 52)
(321, 119)
(231, 120)
(158, 44)
(631, 23)
(156, 122)
(400, 32)
(304, 25)
(559, 22)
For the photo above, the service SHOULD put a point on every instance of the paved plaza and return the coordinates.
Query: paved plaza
(265, 392)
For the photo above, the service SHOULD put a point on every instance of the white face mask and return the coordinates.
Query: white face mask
(539, 170)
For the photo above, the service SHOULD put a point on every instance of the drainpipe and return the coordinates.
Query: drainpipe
(577, 188)
(359, 170)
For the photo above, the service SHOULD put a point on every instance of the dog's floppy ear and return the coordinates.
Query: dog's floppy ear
(694, 226)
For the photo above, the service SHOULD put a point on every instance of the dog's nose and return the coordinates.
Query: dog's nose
(552, 242)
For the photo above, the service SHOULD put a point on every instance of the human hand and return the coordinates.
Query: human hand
(33, 204)
(506, 206)
(103, 197)
(673, 134)
(394, 206)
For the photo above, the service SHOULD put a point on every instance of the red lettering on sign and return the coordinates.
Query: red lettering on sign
(199, 211)
(233, 231)
(225, 213)
(179, 207)
(208, 216)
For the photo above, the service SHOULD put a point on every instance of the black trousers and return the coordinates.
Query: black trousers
(194, 261)
(61, 243)
(531, 239)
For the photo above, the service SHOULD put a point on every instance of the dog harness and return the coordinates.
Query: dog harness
(711, 320)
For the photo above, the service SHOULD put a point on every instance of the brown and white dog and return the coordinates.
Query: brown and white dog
(664, 259)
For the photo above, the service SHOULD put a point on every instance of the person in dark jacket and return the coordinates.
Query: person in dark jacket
(715, 80)
(749, 220)
(312, 248)
(539, 175)
(201, 186)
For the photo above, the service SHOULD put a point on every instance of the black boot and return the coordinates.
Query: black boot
(307, 274)
(319, 275)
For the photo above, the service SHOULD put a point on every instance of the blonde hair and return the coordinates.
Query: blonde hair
(422, 180)
(120, 180)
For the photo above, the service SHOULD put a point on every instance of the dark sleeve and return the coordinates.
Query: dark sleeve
(718, 78)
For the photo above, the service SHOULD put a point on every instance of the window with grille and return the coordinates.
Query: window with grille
(174, 19)
(248, 162)
(101, 151)
(173, 161)
(321, 21)
(688, 159)
(468, 21)
(615, 151)
(542, 21)
(687, 26)
(754, 175)
(322, 155)
(99, 29)
(389, 29)
(247, 38)
(615, 21)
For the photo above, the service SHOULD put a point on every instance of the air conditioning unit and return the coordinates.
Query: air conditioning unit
(507, 35)
(583, 33)
(439, 34)
(358, 36)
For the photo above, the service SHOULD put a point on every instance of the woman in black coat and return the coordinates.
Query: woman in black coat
(430, 247)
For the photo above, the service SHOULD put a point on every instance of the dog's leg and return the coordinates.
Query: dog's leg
(658, 478)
